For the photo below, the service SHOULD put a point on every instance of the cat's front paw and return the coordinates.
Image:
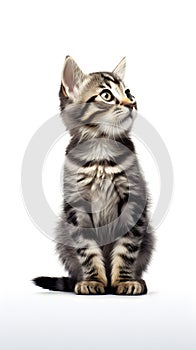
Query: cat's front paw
(131, 288)
(89, 287)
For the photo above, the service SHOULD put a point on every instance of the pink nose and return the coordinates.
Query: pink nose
(127, 102)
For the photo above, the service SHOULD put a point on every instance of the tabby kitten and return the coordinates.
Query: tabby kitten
(103, 236)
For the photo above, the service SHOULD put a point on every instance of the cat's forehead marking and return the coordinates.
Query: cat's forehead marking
(105, 78)
(110, 81)
(109, 77)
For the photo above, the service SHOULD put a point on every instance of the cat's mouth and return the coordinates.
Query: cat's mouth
(126, 110)
(120, 113)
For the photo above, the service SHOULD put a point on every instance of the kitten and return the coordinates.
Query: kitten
(104, 239)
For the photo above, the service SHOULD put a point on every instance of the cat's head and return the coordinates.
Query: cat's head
(96, 103)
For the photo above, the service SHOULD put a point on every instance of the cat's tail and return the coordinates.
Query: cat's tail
(62, 284)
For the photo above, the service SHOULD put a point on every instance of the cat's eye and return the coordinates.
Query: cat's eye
(107, 95)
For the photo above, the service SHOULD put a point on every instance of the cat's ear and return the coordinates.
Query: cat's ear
(120, 69)
(72, 77)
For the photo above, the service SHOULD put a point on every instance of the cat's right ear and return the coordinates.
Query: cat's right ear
(120, 68)
(72, 77)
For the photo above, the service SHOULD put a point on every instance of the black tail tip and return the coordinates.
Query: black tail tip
(44, 282)
(62, 284)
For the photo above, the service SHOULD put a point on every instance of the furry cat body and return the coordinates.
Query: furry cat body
(104, 239)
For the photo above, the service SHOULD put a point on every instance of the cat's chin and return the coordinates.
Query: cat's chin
(125, 121)
(134, 113)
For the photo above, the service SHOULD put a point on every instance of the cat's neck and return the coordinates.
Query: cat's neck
(100, 140)
(90, 132)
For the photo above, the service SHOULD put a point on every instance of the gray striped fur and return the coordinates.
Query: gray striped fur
(104, 239)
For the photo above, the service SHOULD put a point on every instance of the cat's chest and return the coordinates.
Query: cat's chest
(98, 177)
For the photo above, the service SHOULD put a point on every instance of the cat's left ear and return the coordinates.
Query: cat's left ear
(120, 69)
(72, 77)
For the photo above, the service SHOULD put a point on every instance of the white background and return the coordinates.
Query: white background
(158, 38)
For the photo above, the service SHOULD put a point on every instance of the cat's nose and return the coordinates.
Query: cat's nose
(127, 103)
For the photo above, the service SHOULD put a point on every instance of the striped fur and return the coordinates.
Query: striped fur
(103, 236)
